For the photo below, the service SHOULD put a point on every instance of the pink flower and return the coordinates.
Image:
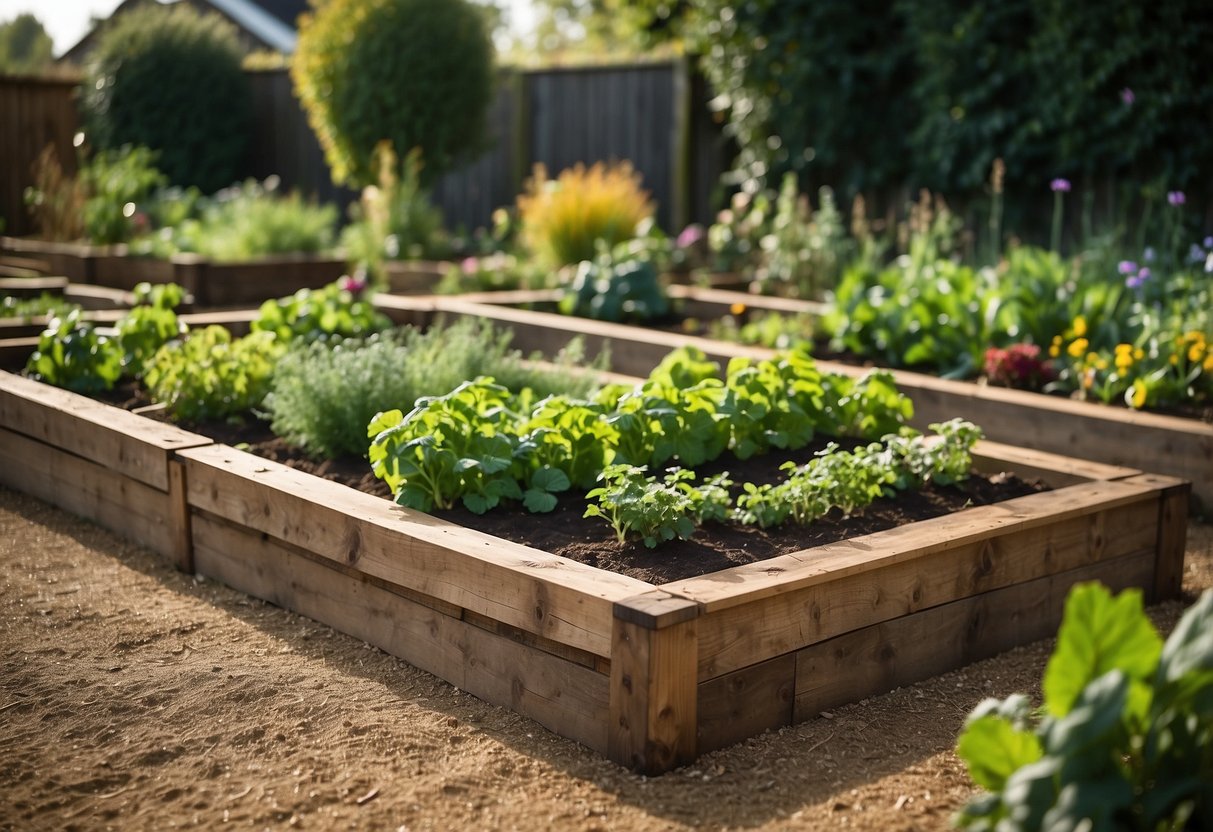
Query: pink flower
(690, 236)
(353, 285)
(1127, 97)
(469, 265)
(1176, 198)
(1060, 185)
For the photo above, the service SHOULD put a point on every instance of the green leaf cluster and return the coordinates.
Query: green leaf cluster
(339, 310)
(80, 356)
(116, 182)
(680, 413)
(323, 395)
(657, 510)
(211, 375)
(417, 73)
(851, 480)
(170, 79)
(613, 288)
(1125, 738)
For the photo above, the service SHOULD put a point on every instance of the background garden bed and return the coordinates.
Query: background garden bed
(651, 676)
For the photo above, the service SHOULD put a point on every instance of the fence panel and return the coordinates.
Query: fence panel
(34, 113)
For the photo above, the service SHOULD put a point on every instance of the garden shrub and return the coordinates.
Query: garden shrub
(416, 73)
(324, 396)
(170, 79)
(564, 219)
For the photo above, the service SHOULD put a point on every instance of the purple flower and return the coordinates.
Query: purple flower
(690, 235)
(1060, 185)
(1135, 281)
(1126, 267)
(1176, 198)
(1148, 254)
(1127, 97)
(1208, 243)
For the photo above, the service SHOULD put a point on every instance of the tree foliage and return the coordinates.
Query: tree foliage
(417, 73)
(170, 79)
(25, 46)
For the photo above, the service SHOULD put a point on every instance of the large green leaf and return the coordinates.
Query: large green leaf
(993, 748)
(1099, 633)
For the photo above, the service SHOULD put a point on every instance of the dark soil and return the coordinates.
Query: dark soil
(565, 533)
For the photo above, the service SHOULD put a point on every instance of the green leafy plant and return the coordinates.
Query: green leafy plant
(394, 219)
(150, 324)
(610, 288)
(656, 510)
(73, 353)
(25, 309)
(253, 220)
(417, 73)
(211, 375)
(324, 395)
(1125, 738)
(339, 309)
(169, 79)
(117, 182)
(563, 221)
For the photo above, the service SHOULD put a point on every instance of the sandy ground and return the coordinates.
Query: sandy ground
(136, 697)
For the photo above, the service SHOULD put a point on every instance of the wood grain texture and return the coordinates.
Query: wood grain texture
(653, 696)
(128, 444)
(737, 636)
(1175, 496)
(559, 599)
(560, 695)
(99, 493)
(878, 658)
(746, 702)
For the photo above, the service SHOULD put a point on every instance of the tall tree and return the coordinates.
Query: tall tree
(25, 46)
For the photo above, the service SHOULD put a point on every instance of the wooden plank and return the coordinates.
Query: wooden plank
(653, 693)
(738, 636)
(565, 697)
(96, 492)
(878, 658)
(31, 287)
(15, 352)
(562, 600)
(1054, 469)
(746, 702)
(183, 544)
(100, 298)
(129, 444)
(1175, 496)
(789, 573)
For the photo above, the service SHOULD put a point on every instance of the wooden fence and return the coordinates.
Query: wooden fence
(34, 112)
(654, 115)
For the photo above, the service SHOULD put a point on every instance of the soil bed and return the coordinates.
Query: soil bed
(566, 533)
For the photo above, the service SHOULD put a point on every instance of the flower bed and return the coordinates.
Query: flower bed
(650, 675)
(1170, 445)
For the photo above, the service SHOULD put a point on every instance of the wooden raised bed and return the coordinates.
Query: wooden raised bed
(650, 676)
(210, 283)
(1169, 445)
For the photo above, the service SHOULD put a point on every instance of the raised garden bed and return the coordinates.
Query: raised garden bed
(211, 283)
(649, 675)
(1171, 445)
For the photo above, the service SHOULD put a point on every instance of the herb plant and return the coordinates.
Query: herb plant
(1124, 740)
(615, 287)
(211, 375)
(656, 510)
(74, 354)
(339, 309)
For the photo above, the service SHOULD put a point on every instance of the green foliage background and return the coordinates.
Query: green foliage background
(170, 79)
(25, 46)
(417, 73)
(868, 95)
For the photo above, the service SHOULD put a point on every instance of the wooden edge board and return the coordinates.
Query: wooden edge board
(1055, 469)
(15, 352)
(126, 442)
(560, 599)
(788, 573)
(746, 702)
(901, 651)
(566, 697)
(100, 299)
(725, 298)
(738, 636)
(32, 285)
(97, 492)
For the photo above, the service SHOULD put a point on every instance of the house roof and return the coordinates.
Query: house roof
(263, 24)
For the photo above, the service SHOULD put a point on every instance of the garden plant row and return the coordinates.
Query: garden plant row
(649, 675)
(1173, 445)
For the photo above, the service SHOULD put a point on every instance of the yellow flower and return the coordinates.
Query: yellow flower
(1080, 326)
(1139, 354)
(1078, 348)
(1137, 395)
(1208, 363)
(1055, 347)
(1101, 364)
(737, 309)
(1195, 353)
(1124, 361)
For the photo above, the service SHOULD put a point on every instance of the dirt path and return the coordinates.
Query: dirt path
(135, 697)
